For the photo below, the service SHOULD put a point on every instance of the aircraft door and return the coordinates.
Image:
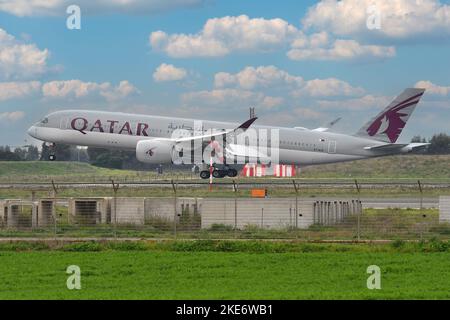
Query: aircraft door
(63, 124)
(331, 147)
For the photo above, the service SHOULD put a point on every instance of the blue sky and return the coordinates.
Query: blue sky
(300, 63)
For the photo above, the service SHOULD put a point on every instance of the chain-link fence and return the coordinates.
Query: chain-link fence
(230, 211)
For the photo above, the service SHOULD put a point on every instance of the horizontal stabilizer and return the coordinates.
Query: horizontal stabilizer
(397, 147)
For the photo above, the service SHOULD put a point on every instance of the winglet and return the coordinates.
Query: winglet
(247, 124)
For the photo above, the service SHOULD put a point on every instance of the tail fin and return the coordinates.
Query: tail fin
(388, 125)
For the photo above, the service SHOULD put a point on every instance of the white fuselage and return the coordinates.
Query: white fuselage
(123, 131)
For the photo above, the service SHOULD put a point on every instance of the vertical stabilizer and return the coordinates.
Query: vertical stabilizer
(388, 125)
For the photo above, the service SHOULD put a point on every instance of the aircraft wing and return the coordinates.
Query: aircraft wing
(396, 147)
(246, 151)
(243, 127)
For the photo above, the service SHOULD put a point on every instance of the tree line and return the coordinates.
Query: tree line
(118, 159)
(439, 144)
(114, 159)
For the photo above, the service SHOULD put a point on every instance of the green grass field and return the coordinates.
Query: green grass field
(226, 270)
(397, 167)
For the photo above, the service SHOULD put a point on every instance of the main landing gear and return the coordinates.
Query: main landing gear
(219, 173)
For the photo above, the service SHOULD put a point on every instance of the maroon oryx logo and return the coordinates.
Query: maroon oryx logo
(150, 152)
(392, 121)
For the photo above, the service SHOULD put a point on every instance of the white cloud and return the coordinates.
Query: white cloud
(296, 116)
(20, 60)
(123, 90)
(433, 88)
(341, 50)
(400, 19)
(272, 102)
(58, 7)
(305, 113)
(12, 116)
(168, 72)
(260, 77)
(14, 90)
(357, 104)
(267, 88)
(270, 77)
(330, 87)
(80, 89)
(221, 36)
(230, 99)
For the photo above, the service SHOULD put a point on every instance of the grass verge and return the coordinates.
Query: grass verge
(225, 270)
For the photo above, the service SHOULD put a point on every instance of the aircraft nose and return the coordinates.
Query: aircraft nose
(32, 131)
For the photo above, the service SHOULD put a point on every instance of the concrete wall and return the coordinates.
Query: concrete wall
(11, 214)
(242, 212)
(128, 211)
(159, 208)
(264, 213)
(2, 213)
(333, 212)
(89, 211)
(444, 209)
(46, 212)
(275, 213)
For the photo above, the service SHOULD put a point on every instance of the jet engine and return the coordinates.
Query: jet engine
(154, 151)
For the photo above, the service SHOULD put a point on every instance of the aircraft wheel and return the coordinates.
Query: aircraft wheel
(204, 174)
(232, 173)
(217, 174)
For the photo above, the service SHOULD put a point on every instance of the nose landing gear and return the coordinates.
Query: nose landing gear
(51, 152)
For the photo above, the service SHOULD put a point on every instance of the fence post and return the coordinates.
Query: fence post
(358, 232)
(175, 218)
(235, 189)
(421, 208)
(262, 218)
(55, 193)
(296, 203)
(115, 187)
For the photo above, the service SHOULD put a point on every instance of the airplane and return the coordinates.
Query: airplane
(163, 140)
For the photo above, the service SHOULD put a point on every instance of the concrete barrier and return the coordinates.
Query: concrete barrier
(444, 209)
(89, 211)
(275, 213)
(128, 211)
(12, 216)
(46, 212)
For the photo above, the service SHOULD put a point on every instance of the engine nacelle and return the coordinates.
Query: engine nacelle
(154, 151)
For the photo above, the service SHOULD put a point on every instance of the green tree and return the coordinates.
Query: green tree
(439, 144)
(20, 152)
(63, 152)
(32, 153)
(7, 155)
